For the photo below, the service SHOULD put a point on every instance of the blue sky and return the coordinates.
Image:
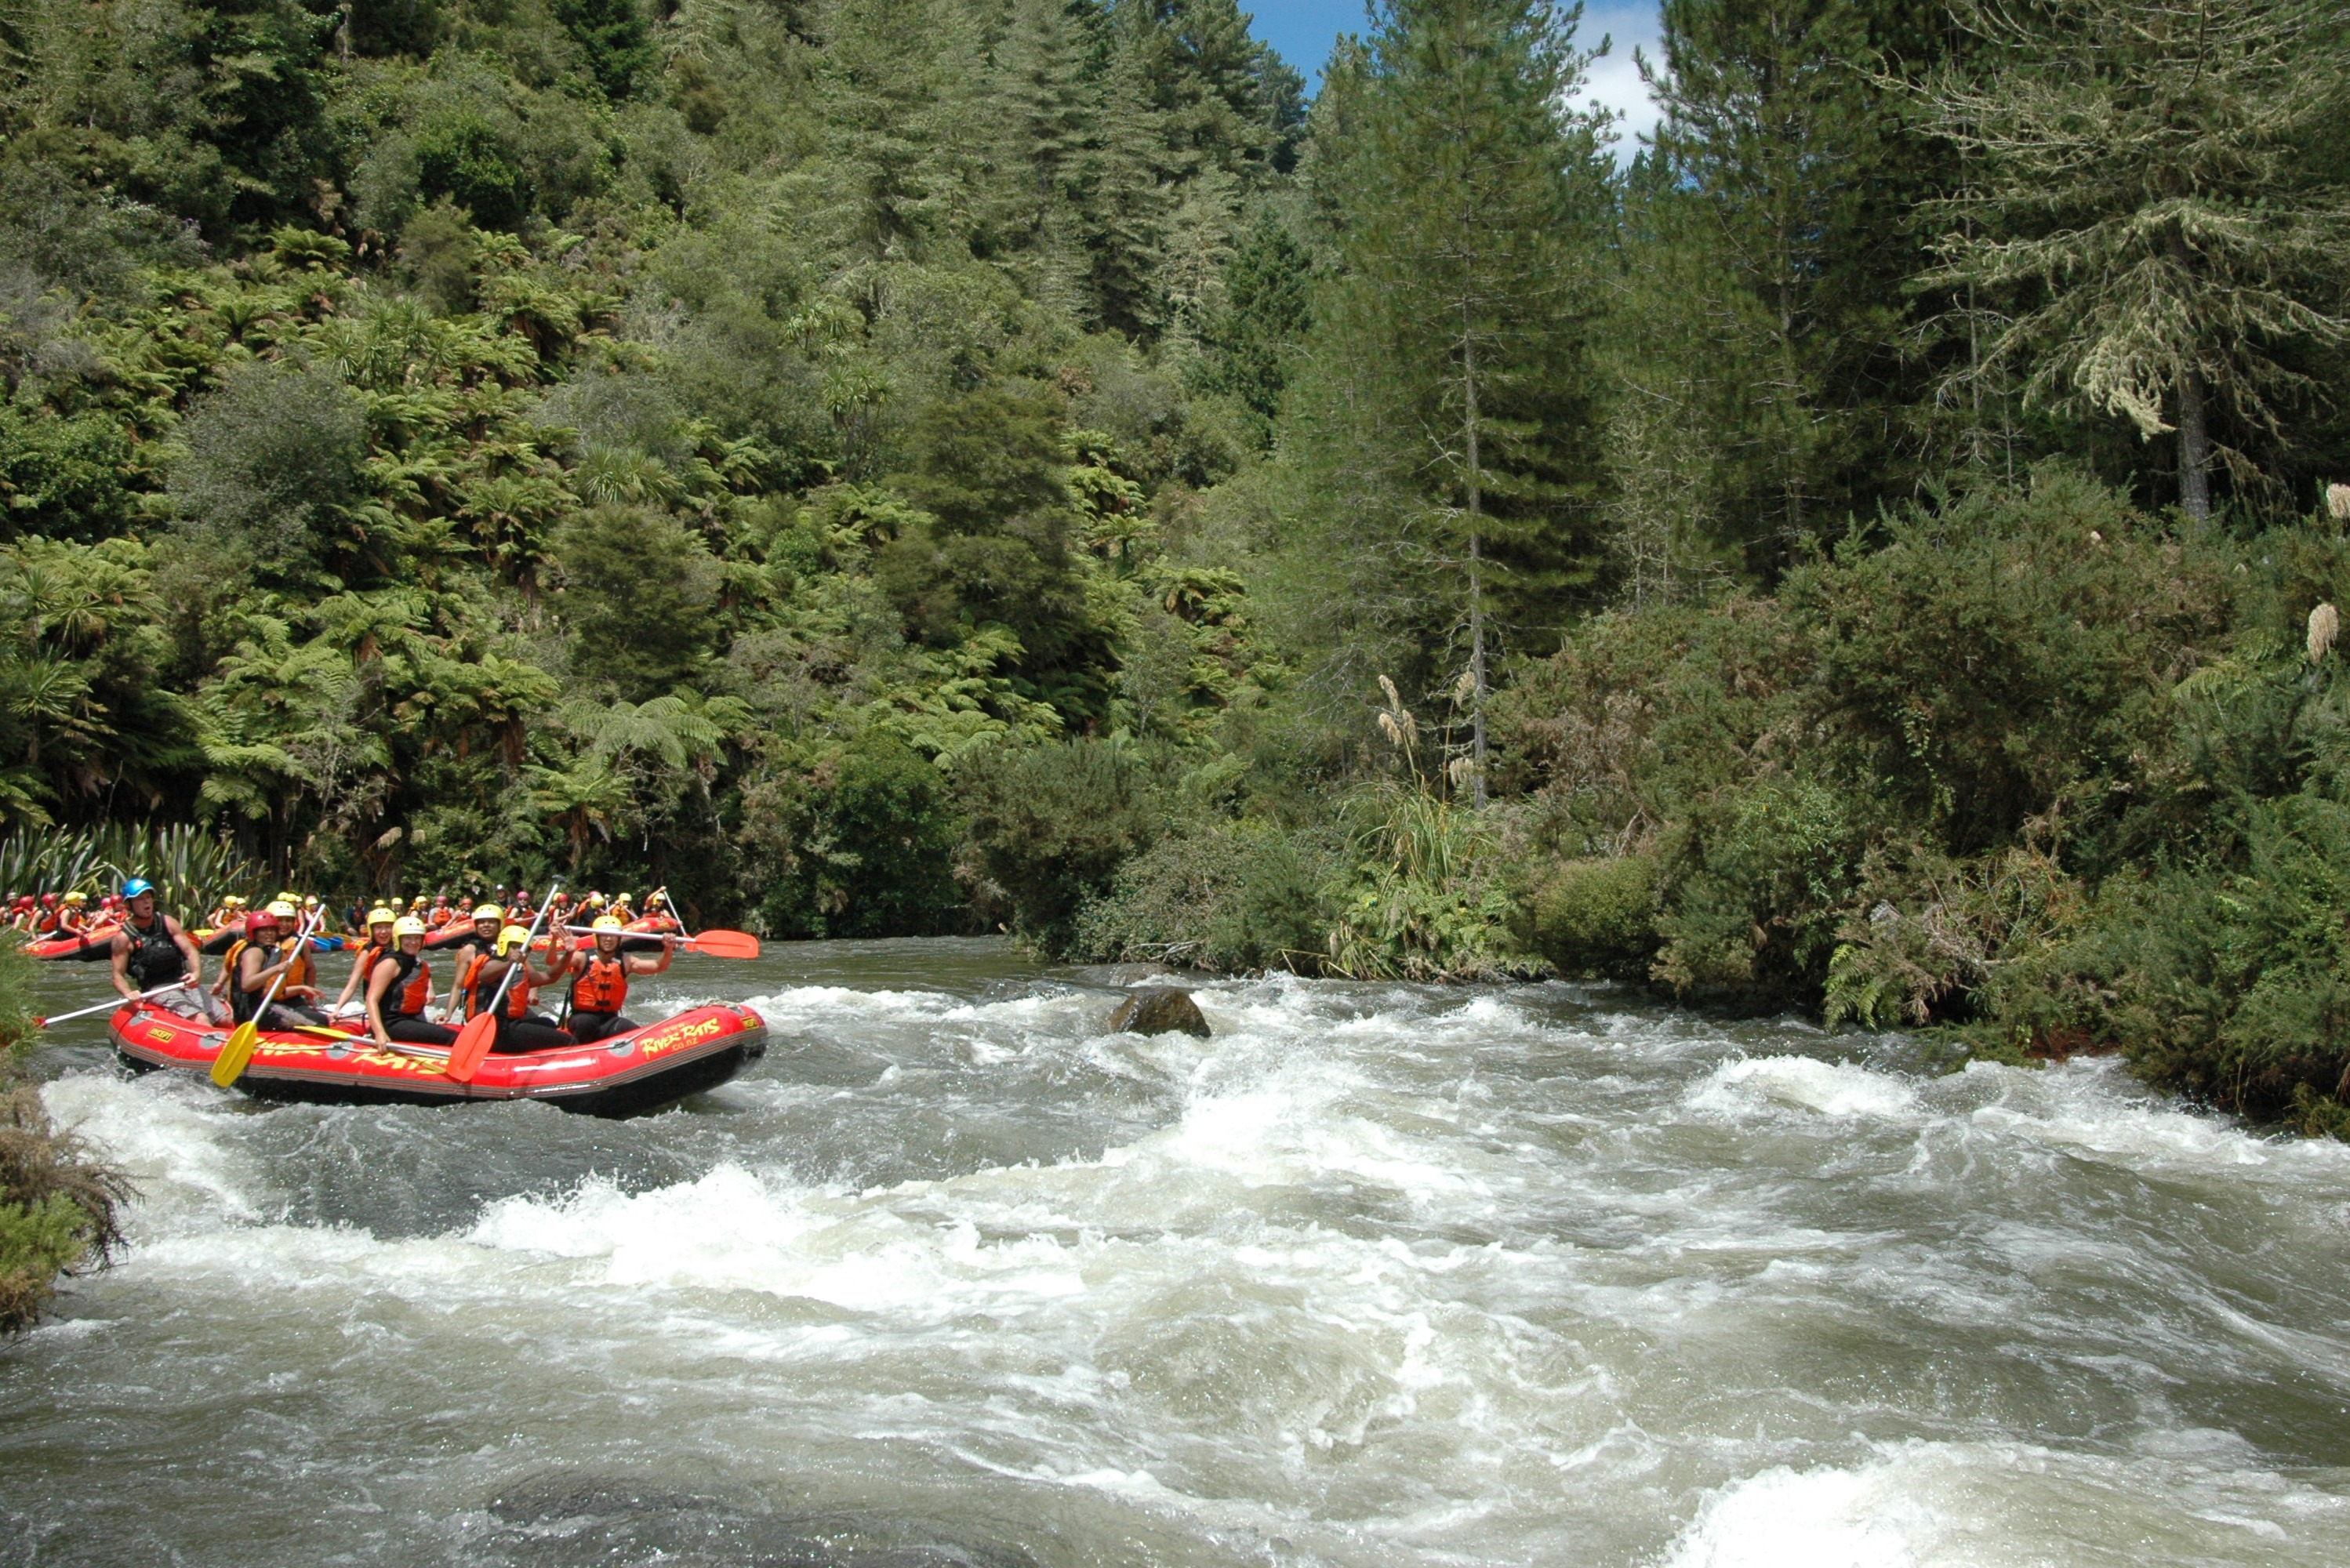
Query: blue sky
(1303, 31)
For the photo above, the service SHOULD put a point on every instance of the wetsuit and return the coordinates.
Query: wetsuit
(518, 1030)
(405, 998)
(598, 996)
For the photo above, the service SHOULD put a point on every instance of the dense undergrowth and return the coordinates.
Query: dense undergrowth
(59, 1204)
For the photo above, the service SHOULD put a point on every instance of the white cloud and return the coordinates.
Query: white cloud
(1614, 81)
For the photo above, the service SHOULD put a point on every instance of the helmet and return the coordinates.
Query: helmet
(380, 916)
(490, 912)
(417, 902)
(609, 923)
(48, 898)
(406, 926)
(286, 896)
(232, 902)
(264, 916)
(285, 910)
(310, 902)
(76, 897)
(514, 937)
(136, 886)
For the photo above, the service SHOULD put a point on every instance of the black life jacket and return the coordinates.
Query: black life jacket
(410, 988)
(155, 958)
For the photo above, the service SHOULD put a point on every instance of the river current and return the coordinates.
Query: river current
(1380, 1275)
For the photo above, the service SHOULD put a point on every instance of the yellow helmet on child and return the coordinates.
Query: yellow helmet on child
(408, 926)
(380, 916)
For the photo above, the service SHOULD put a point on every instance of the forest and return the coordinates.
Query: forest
(913, 467)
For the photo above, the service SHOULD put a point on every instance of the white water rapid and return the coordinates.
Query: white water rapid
(1377, 1276)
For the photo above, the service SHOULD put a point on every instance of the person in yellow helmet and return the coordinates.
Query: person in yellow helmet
(602, 988)
(273, 951)
(379, 944)
(519, 1029)
(400, 988)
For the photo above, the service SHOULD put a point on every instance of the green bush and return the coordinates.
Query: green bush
(1424, 900)
(1595, 919)
(1755, 886)
(862, 845)
(1229, 897)
(59, 1206)
(1050, 826)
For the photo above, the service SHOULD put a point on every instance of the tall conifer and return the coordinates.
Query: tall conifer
(1466, 191)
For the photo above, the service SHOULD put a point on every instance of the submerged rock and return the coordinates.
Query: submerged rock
(1160, 1010)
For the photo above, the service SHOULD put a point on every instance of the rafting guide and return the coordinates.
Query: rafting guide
(150, 949)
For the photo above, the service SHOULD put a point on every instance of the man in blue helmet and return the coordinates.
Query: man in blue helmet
(151, 949)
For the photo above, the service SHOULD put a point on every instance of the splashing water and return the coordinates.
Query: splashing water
(1379, 1275)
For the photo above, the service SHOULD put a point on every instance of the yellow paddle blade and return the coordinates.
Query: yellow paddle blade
(472, 1044)
(229, 1065)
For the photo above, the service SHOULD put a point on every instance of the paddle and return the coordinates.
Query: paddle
(717, 944)
(229, 1065)
(473, 1041)
(105, 1006)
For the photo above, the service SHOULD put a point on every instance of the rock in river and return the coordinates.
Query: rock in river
(1158, 1010)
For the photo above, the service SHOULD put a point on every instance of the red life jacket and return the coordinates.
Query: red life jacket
(477, 996)
(602, 986)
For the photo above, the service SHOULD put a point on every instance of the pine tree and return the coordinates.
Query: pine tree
(1784, 159)
(1042, 107)
(1267, 308)
(2146, 202)
(1465, 190)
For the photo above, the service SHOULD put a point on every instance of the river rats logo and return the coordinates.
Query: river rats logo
(663, 1041)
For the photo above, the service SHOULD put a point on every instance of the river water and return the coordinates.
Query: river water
(1380, 1275)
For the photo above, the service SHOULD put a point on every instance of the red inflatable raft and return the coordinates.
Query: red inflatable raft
(640, 1071)
(84, 946)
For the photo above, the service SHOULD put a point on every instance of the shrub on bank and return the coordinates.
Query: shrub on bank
(2029, 768)
(1225, 896)
(1594, 919)
(1049, 826)
(59, 1205)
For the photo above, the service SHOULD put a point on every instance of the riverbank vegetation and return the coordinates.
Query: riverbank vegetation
(59, 1204)
(941, 465)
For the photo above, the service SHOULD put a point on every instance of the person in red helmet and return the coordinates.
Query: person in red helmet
(273, 951)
